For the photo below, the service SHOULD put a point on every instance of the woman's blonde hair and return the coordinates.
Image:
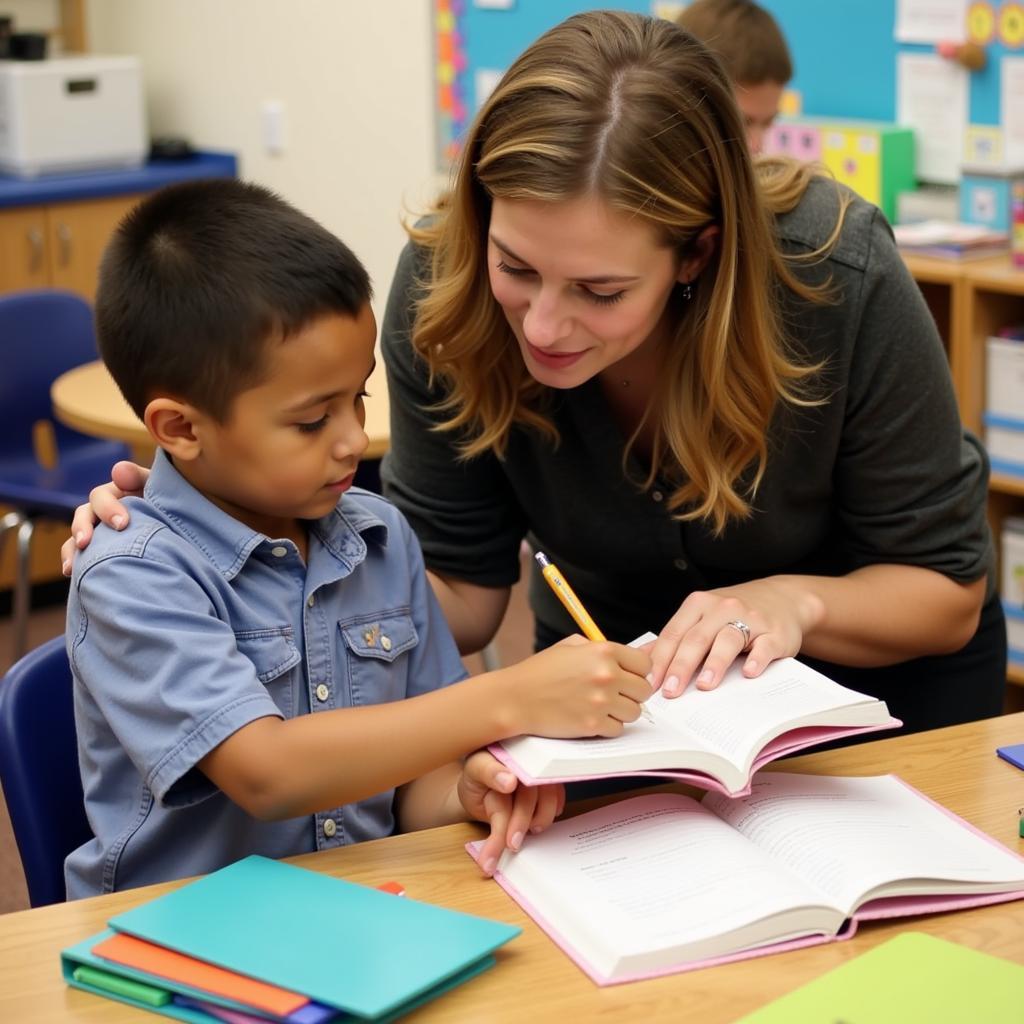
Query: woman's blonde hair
(636, 111)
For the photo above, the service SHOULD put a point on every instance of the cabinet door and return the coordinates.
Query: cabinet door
(76, 236)
(23, 259)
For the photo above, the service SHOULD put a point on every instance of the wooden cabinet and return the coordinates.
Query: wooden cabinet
(970, 302)
(58, 245)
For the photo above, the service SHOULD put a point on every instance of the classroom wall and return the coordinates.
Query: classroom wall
(354, 78)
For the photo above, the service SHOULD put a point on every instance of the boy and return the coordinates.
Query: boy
(244, 649)
(751, 45)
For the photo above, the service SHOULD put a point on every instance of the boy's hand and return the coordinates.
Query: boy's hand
(581, 688)
(104, 505)
(490, 792)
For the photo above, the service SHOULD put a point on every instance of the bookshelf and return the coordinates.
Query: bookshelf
(970, 300)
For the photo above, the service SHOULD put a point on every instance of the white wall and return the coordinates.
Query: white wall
(355, 80)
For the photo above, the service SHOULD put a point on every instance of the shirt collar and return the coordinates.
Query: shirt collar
(228, 543)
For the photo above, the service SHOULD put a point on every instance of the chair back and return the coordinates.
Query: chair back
(42, 333)
(39, 768)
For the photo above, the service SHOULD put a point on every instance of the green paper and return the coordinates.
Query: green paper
(913, 977)
(122, 986)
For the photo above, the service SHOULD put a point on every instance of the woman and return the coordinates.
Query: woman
(710, 392)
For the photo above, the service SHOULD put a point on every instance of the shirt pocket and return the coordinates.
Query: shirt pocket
(376, 655)
(274, 655)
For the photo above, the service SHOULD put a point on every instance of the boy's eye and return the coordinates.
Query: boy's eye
(313, 426)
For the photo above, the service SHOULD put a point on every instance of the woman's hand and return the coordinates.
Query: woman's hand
(705, 636)
(490, 792)
(105, 506)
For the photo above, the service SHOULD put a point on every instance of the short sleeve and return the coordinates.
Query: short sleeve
(467, 517)
(911, 483)
(163, 671)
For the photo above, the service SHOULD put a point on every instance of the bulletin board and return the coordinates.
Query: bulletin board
(845, 52)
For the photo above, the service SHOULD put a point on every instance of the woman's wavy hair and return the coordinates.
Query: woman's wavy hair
(637, 111)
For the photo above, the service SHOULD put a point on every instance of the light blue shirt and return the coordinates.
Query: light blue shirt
(189, 625)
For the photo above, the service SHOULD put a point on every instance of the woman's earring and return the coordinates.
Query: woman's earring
(687, 291)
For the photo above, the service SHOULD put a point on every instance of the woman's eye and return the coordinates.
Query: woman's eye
(506, 269)
(603, 300)
(313, 426)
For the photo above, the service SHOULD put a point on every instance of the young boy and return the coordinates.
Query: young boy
(260, 665)
(753, 49)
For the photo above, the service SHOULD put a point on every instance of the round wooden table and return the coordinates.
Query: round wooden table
(87, 399)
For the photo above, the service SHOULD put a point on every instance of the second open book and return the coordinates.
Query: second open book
(661, 883)
(714, 739)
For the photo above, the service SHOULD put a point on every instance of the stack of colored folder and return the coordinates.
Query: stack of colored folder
(264, 941)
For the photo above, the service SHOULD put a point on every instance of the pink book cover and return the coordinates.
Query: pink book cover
(784, 745)
(875, 910)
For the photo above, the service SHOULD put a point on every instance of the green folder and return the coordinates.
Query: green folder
(913, 977)
(363, 951)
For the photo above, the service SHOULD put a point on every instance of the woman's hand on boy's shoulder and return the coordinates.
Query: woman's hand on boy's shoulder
(104, 505)
(491, 793)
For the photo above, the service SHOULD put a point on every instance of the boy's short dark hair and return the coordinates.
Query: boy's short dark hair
(200, 276)
(744, 35)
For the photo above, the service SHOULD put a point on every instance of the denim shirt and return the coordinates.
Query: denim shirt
(189, 625)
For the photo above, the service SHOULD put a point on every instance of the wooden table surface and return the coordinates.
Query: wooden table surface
(533, 980)
(87, 399)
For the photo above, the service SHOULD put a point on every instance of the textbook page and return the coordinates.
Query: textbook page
(656, 881)
(732, 723)
(855, 839)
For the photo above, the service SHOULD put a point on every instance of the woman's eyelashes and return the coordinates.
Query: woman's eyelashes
(598, 297)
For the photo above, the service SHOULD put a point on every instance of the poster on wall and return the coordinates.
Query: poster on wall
(1012, 100)
(932, 99)
(931, 21)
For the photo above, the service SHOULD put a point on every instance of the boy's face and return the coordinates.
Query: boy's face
(290, 445)
(759, 104)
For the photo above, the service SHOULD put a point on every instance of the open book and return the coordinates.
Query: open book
(661, 883)
(715, 739)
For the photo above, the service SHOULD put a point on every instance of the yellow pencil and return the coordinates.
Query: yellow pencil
(572, 603)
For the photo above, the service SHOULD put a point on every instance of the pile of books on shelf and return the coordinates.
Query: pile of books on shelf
(951, 240)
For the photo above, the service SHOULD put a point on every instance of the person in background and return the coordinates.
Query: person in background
(750, 43)
(260, 665)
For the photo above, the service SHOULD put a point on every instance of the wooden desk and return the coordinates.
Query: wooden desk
(87, 399)
(533, 979)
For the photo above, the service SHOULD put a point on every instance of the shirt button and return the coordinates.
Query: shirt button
(322, 692)
(385, 642)
(681, 564)
(311, 600)
(279, 551)
(657, 495)
(330, 828)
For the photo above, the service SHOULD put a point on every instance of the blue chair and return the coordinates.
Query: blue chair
(46, 469)
(39, 768)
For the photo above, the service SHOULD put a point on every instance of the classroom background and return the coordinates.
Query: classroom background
(353, 109)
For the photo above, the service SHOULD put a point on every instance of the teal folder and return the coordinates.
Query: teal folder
(358, 949)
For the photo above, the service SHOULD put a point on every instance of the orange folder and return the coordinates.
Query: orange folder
(165, 963)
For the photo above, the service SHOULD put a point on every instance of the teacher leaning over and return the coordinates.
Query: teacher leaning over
(708, 389)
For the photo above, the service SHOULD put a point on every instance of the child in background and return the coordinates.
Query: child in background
(751, 45)
(260, 665)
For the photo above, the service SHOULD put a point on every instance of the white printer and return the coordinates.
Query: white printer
(71, 114)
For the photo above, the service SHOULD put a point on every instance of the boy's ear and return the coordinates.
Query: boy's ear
(172, 424)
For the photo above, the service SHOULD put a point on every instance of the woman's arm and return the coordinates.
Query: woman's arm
(474, 613)
(877, 615)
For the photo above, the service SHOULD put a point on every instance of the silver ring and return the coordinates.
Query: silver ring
(743, 628)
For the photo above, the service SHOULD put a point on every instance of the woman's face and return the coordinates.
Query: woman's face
(581, 284)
